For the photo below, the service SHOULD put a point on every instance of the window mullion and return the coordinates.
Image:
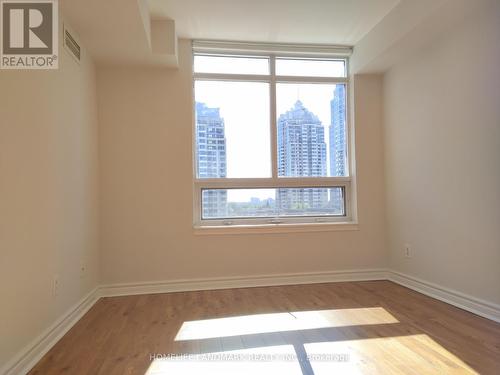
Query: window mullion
(285, 182)
(272, 122)
(231, 77)
(299, 79)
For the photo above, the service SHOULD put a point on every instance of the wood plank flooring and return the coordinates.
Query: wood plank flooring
(389, 330)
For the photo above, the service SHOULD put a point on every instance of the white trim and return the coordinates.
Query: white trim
(326, 226)
(32, 353)
(288, 49)
(274, 119)
(272, 77)
(187, 285)
(271, 51)
(285, 182)
(464, 301)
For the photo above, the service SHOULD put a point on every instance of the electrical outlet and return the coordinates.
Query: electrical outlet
(55, 286)
(407, 251)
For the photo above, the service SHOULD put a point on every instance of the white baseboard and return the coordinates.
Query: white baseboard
(113, 290)
(466, 302)
(479, 307)
(34, 351)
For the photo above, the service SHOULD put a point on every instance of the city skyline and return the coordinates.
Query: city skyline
(337, 133)
(301, 153)
(338, 140)
(211, 154)
(320, 163)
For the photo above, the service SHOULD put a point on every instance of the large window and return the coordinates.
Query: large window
(270, 139)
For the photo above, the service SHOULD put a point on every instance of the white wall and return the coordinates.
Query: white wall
(442, 184)
(442, 138)
(48, 196)
(145, 124)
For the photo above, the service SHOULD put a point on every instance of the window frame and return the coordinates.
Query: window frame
(199, 184)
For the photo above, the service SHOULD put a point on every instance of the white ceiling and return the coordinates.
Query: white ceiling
(112, 30)
(120, 32)
(288, 21)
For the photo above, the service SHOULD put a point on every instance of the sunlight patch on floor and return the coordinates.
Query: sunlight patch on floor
(258, 361)
(417, 354)
(282, 322)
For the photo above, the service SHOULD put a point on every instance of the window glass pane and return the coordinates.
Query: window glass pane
(310, 67)
(231, 64)
(272, 203)
(310, 202)
(232, 129)
(311, 134)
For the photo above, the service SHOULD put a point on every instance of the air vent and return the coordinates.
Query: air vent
(71, 45)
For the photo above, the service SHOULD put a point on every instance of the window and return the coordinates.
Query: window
(270, 139)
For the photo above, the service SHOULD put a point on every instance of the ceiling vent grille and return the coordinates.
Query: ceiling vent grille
(71, 45)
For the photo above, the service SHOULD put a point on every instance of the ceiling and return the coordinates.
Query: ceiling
(145, 32)
(111, 30)
(342, 22)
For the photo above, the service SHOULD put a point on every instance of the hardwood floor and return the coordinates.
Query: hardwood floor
(388, 329)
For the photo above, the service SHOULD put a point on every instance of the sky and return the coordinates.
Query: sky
(244, 106)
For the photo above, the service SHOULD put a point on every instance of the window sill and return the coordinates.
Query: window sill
(276, 228)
